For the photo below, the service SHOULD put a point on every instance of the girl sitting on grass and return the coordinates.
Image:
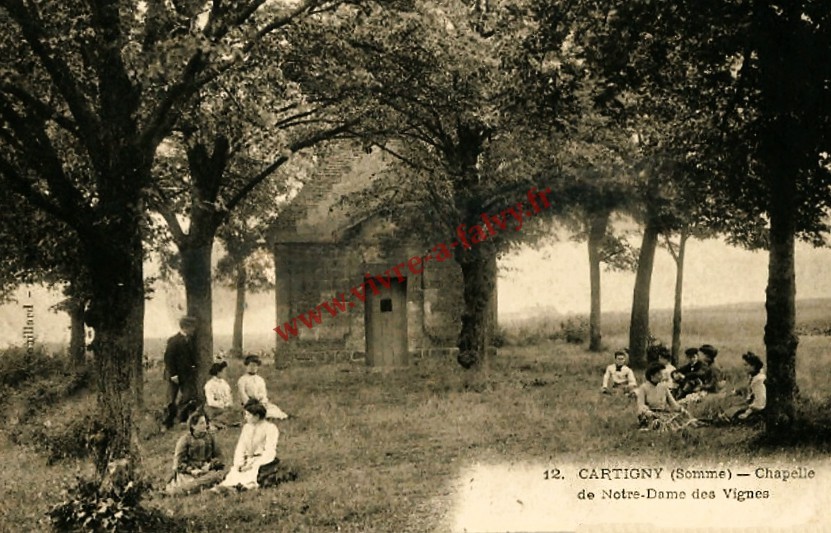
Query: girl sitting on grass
(197, 461)
(665, 358)
(256, 453)
(657, 409)
(218, 398)
(713, 379)
(756, 398)
(251, 386)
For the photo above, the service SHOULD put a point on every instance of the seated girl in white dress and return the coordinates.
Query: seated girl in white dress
(219, 401)
(252, 386)
(256, 450)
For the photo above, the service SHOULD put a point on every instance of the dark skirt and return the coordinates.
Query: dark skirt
(274, 473)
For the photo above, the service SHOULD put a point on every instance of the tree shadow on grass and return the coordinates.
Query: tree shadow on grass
(811, 429)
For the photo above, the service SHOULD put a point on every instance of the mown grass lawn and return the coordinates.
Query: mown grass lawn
(381, 451)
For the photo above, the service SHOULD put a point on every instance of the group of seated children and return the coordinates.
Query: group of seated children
(218, 398)
(699, 375)
(663, 398)
(198, 462)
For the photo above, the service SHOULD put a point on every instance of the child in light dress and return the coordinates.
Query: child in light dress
(756, 398)
(218, 398)
(252, 386)
(256, 453)
(665, 358)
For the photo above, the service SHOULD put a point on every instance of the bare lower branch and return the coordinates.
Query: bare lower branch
(307, 142)
(671, 247)
(162, 206)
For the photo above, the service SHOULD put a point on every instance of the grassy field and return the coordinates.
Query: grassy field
(382, 450)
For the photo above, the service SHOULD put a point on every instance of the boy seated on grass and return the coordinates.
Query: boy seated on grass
(618, 376)
(689, 374)
(704, 378)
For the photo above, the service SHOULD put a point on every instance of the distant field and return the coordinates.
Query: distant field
(253, 343)
(739, 326)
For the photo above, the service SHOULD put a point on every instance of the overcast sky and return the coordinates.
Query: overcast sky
(715, 273)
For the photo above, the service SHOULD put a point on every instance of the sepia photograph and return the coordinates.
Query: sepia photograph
(466, 266)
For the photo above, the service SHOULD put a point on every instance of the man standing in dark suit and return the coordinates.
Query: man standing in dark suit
(180, 371)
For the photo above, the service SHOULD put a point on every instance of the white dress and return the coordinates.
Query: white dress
(253, 386)
(257, 446)
(218, 393)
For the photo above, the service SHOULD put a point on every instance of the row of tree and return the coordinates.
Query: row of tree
(694, 118)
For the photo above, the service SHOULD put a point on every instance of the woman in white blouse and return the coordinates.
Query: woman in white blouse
(257, 447)
(756, 398)
(251, 386)
(218, 398)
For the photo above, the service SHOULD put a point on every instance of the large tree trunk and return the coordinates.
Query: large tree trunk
(77, 334)
(117, 314)
(196, 274)
(787, 154)
(477, 259)
(239, 312)
(639, 325)
(478, 266)
(780, 336)
(598, 223)
(679, 292)
(206, 168)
